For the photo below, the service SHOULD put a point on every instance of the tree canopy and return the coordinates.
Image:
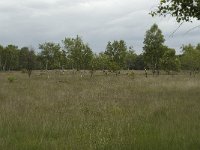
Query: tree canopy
(116, 51)
(79, 53)
(169, 61)
(191, 57)
(74, 53)
(183, 10)
(50, 54)
(153, 47)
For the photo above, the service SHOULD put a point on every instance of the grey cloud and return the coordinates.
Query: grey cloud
(30, 22)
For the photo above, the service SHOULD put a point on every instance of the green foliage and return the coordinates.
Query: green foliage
(153, 47)
(23, 57)
(116, 52)
(27, 60)
(191, 57)
(103, 61)
(51, 55)
(169, 60)
(11, 79)
(113, 66)
(95, 63)
(31, 58)
(139, 62)
(183, 10)
(79, 53)
(130, 59)
(9, 58)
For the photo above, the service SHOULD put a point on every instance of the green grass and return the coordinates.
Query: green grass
(104, 112)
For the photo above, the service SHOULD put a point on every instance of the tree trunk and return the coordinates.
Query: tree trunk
(46, 66)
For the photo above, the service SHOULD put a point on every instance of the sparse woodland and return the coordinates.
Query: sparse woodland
(75, 99)
(73, 53)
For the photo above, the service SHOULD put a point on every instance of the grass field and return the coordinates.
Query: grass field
(67, 112)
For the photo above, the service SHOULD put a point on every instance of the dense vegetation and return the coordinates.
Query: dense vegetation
(75, 54)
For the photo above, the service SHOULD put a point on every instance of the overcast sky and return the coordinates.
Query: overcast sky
(30, 22)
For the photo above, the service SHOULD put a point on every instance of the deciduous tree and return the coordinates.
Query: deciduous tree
(153, 48)
(79, 53)
(169, 61)
(130, 59)
(50, 55)
(191, 58)
(183, 10)
(31, 60)
(10, 57)
(116, 52)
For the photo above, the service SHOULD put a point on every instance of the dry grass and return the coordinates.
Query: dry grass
(103, 112)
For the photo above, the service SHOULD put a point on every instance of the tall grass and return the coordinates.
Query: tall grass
(103, 112)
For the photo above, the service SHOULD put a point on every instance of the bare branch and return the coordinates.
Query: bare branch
(172, 34)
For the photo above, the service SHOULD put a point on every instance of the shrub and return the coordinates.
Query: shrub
(11, 79)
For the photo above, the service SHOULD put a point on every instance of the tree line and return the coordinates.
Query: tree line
(73, 53)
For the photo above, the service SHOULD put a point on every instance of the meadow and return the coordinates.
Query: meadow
(70, 112)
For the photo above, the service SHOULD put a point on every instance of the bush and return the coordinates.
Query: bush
(11, 79)
(113, 66)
